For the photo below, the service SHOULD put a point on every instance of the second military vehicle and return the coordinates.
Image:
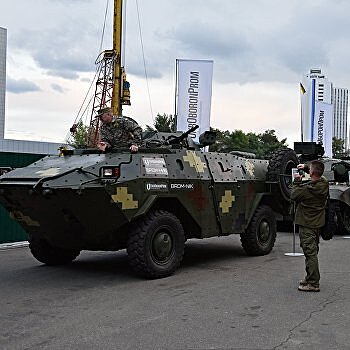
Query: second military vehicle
(337, 172)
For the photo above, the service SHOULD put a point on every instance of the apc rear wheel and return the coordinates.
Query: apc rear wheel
(332, 221)
(260, 236)
(50, 255)
(156, 245)
(344, 220)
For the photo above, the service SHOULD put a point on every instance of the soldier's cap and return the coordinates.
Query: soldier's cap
(104, 110)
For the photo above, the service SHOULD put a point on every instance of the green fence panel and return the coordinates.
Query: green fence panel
(10, 230)
(18, 160)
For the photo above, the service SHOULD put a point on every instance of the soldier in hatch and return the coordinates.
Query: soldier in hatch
(310, 198)
(118, 131)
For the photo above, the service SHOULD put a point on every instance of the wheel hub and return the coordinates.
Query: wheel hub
(264, 231)
(162, 246)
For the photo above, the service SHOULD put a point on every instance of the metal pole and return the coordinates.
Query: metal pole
(294, 231)
(293, 237)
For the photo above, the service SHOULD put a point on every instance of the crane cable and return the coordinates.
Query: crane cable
(124, 34)
(104, 26)
(144, 61)
(79, 117)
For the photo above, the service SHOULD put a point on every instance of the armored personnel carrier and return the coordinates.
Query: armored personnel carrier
(148, 202)
(337, 173)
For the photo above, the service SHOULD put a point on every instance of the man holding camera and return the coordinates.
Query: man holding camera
(310, 198)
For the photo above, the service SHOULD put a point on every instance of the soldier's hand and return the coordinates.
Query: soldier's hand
(134, 148)
(301, 166)
(298, 178)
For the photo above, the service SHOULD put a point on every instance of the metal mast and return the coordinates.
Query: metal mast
(121, 92)
(117, 48)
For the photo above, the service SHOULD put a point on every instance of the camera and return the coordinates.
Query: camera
(301, 172)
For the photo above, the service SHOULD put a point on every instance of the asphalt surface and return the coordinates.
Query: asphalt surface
(218, 299)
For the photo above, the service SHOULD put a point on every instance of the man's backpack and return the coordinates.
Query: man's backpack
(332, 213)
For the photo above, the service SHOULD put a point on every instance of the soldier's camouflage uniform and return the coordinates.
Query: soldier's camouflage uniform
(310, 198)
(122, 132)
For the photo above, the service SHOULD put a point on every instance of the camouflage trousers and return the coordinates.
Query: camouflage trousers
(309, 243)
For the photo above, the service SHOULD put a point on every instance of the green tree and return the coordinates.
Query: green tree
(337, 147)
(269, 143)
(163, 123)
(261, 144)
(79, 138)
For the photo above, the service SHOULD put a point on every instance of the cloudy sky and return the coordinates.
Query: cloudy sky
(260, 48)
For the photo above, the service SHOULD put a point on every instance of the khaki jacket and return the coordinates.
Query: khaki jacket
(310, 198)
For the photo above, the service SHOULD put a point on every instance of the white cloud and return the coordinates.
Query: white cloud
(58, 88)
(260, 48)
(20, 86)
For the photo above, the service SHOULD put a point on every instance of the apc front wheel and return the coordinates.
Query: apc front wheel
(156, 245)
(260, 236)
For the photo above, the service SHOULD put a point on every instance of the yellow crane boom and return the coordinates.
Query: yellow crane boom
(121, 93)
(117, 47)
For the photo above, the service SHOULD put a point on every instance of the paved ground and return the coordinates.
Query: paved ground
(218, 299)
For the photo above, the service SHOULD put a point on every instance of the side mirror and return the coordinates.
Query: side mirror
(207, 138)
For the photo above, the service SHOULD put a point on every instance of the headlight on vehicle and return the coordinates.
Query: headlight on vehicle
(111, 172)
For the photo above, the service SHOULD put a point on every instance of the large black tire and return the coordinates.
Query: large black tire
(260, 236)
(344, 219)
(156, 244)
(50, 255)
(280, 170)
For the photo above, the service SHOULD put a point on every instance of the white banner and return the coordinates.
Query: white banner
(193, 100)
(323, 126)
(306, 101)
